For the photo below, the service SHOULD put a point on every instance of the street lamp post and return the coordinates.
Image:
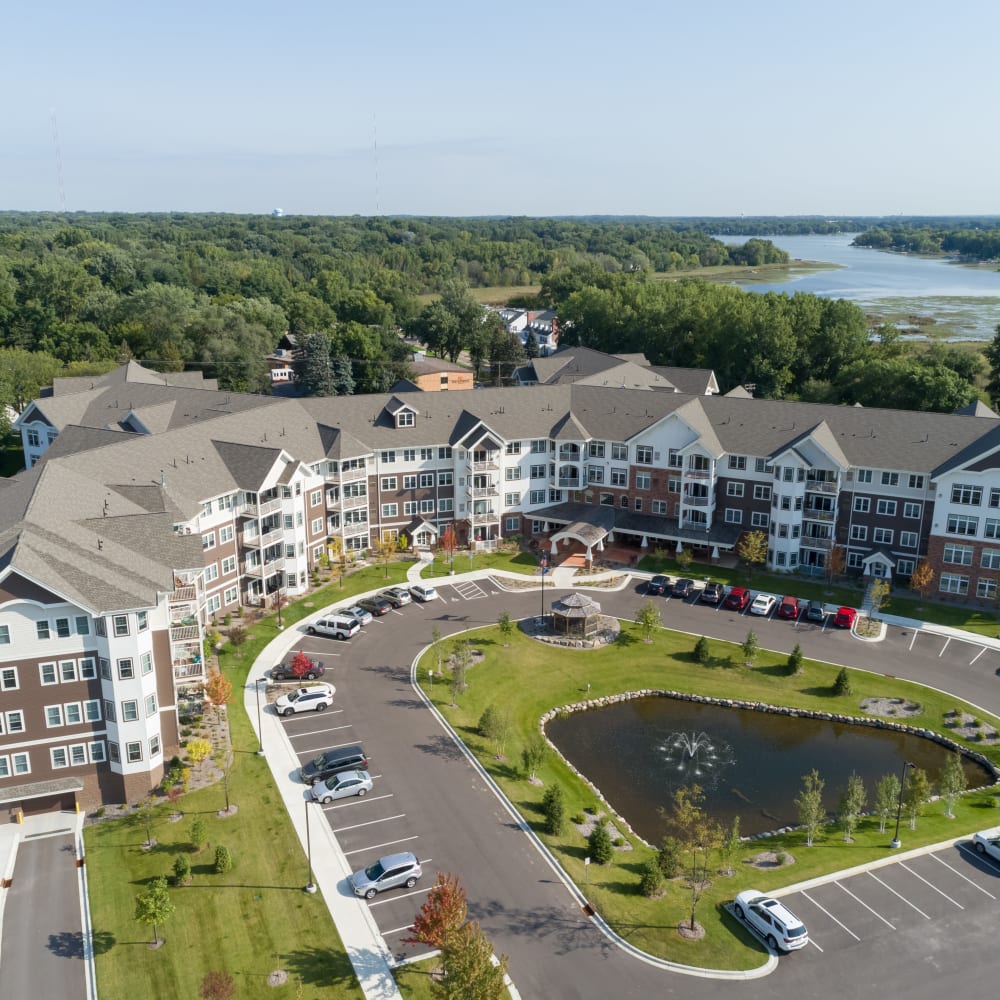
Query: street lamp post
(310, 886)
(260, 727)
(545, 569)
(896, 842)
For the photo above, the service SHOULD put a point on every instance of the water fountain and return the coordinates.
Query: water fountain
(698, 757)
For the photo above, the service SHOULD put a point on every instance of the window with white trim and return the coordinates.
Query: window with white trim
(512, 472)
(130, 710)
(912, 510)
(92, 710)
(232, 594)
(67, 671)
(962, 524)
(8, 679)
(154, 746)
(909, 539)
(738, 462)
(643, 454)
(761, 492)
(607, 500)
(62, 628)
(409, 454)
(619, 477)
(133, 752)
(758, 519)
(208, 541)
(734, 489)
(733, 515)
(120, 623)
(658, 507)
(126, 668)
(211, 572)
(864, 475)
(409, 508)
(78, 754)
(953, 583)
(53, 716)
(905, 567)
(887, 508)
(986, 588)
(446, 505)
(854, 560)
(862, 505)
(58, 757)
(47, 673)
(994, 500)
(427, 506)
(150, 705)
(536, 496)
(967, 494)
(859, 533)
(21, 763)
(673, 486)
(409, 482)
(958, 555)
(643, 481)
(96, 752)
(882, 536)
(226, 534)
(73, 712)
(509, 499)
(990, 559)
(390, 510)
(890, 478)
(992, 527)
(4, 635)
(388, 484)
(42, 629)
(512, 524)
(619, 451)
(229, 565)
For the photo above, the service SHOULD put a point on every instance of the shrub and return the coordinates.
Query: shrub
(619, 841)
(198, 750)
(590, 810)
(554, 809)
(651, 883)
(842, 685)
(198, 835)
(488, 721)
(578, 818)
(599, 844)
(702, 653)
(795, 660)
(223, 860)
(669, 858)
(182, 869)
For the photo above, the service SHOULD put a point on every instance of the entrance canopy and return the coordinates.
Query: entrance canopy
(591, 527)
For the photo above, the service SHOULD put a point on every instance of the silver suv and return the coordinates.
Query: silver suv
(387, 873)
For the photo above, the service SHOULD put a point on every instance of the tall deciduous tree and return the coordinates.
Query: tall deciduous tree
(469, 972)
(886, 799)
(153, 906)
(697, 836)
(922, 578)
(647, 618)
(752, 549)
(443, 912)
(852, 805)
(952, 782)
(810, 805)
(915, 794)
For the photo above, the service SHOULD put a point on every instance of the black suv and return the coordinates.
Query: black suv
(284, 672)
(657, 585)
(682, 588)
(326, 765)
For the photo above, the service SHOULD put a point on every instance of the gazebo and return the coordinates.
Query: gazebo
(576, 615)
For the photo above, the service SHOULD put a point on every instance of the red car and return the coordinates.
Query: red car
(789, 608)
(737, 599)
(844, 618)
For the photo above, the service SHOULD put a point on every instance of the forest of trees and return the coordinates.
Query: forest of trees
(973, 242)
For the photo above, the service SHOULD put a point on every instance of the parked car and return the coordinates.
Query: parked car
(657, 585)
(988, 842)
(763, 604)
(772, 920)
(712, 593)
(737, 599)
(375, 605)
(816, 612)
(349, 758)
(317, 698)
(364, 617)
(682, 588)
(387, 873)
(286, 672)
(788, 608)
(845, 617)
(335, 627)
(342, 786)
(423, 592)
(396, 596)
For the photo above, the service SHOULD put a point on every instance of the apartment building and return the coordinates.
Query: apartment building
(154, 508)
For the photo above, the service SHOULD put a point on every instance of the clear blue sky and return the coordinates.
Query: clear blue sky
(653, 107)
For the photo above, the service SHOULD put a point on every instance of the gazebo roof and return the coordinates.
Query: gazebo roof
(576, 606)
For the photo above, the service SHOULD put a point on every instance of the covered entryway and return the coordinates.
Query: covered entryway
(589, 531)
(878, 565)
(40, 797)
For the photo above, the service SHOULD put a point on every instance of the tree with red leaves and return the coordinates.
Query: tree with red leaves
(443, 913)
(218, 690)
(301, 664)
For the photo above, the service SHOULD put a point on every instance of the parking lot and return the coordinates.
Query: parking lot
(919, 895)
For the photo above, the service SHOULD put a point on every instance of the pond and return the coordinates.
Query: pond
(748, 763)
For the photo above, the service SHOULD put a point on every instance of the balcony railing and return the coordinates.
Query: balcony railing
(188, 671)
(262, 541)
(816, 543)
(697, 474)
(260, 571)
(348, 475)
(484, 465)
(809, 514)
(184, 595)
(352, 529)
(352, 502)
(483, 491)
(819, 486)
(570, 482)
(569, 455)
(698, 501)
(260, 509)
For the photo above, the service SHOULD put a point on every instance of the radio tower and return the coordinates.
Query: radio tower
(59, 169)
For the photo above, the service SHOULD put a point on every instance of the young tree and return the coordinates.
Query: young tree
(554, 810)
(441, 914)
(495, 724)
(469, 972)
(506, 627)
(448, 544)
(651, 883)
(751, 647)
(915, 794)
(198, 834)
(697, 836)
(952, 782)
(219, 691)
(842, 684)
(878, 597)
(237, 638)
(533, 754)
(702, 652)
(153, 906)
(461, 660)
(886, 799)
(198, 750)
(384, 549)
(438, 647)
(225, 759)
(810, 805)
(795, 660)
(922, 578)
(752, 549)
(728, 847)
(301, 665)
(647, 618)
(599, 844)
(668, 858)
(684, 559)
(852, 805)
(836, 562)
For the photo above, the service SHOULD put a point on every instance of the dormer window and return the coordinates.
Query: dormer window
(405, 418)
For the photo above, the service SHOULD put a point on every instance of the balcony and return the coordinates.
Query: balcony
(184, 595)
(569, 482)
(185, 632)
(698, 501)
(700, 474)
(355, 528)
(482, 491)
(485, 465)
(816, 543)
(353, 502)
(810, 514)
(348, 475)
(484, 516)
(818, 486)
(267, 569)
(569, 454)
(256, 541)
(260, 509)
(188, 670)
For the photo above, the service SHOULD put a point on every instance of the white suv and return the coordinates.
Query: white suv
(316, 697)
(335, 627)
(772, 920)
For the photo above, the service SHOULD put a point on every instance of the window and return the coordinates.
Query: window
(211, 572)
(624, 502)
(126, 668)
(916, 482)
(47, 673)
(78, 754)
(961, 524)
(537, 472)
(388, 484)
(864, 475)
(734, 489)
(133, 752)
(229, 565)
(992, 528)
(536, 496)
(786, 503)
(909, 539)
(954, 583)
(762, 465)
(150, 705)
(109, 710)
(58, 755)
(595, 449)
(637, 503)
(882, 536)
(905, 567)
(540, 447)
(643, 481)
(96, 752)
(445, 478)
(409, 508)
(226, 533)
(8, 679)
(427, 506)
(316, 526)
(512, 448)
(409, 454)
(734, 515)
(854, 560)
(859, 533)
(444, 452)
(960, 555)
(990, 559)
(14, 721)
(62, 628)
(409, 482)
(512, 524)
(890, 478)
(607, 500)
(738, 462)
(232, 594)
(427, 480)
(659, 507)
(42, 629)
(995, 497)
(510, 499)
(759, 519)
(67, 671)
(619, 477)
(120, 625)
(73, 713)
(673, 486)
(619, 451)
(208, 541)
(445, 505)
(512, 473)
(886, 507)
(130, 710)
(390, 510)
(105, 668)
(595, 474)
(4, 635)
(92, 710)
(986, 588)
(761, 492)
(387, 457)
(782, 530)
(315, 498)
(154, 746)
(967, 495)
(911, 510)
(53, 716)
(643, 454)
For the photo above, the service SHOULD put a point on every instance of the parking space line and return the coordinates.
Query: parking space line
(831, 916)
(337, 746)
(916, 632)
(371, 822)
(368, 798)
(319, 732)
(978, 857)
(903, 898)
(902, 864)
(947, 643)
(394, 611)
(401, 895)
(395, 930)
(375, 847)
(816, 946)
(874, 913)
(976, 657)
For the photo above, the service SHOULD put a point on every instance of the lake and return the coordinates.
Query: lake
(754, 768)
(967, 299)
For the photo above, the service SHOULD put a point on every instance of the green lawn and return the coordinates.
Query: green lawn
(531, 678)
(514, 562)
(254, 919)
(414, 981)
